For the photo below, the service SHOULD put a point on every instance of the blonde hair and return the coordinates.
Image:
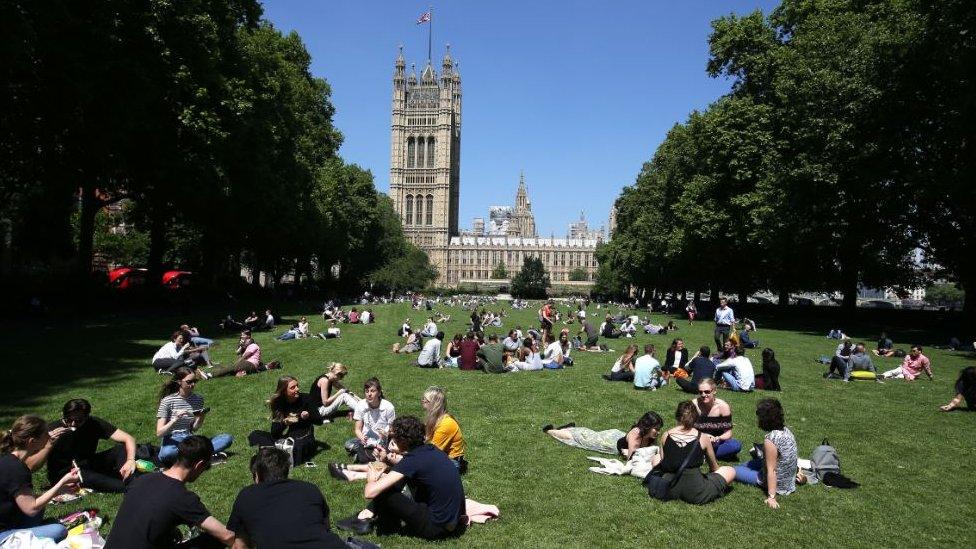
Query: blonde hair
(337, 368)
(707, 381)
(23, 429)
(438, 408)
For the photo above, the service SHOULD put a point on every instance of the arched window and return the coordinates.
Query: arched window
(409, 209)
(420, 152)
(411, 151)
(420, 210)
(430, 152)
(430, 209)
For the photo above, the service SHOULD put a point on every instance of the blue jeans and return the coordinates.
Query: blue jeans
(749, 472)
(732, 381)
(54, 531)
(727, 448)
(198, 341)
(286, 336)
(170, 445)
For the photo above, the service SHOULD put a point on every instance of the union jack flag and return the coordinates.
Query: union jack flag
(424, 18)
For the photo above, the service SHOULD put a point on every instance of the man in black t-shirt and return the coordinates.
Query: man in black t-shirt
(437, 507)
(106, 471)
(278, 512)
(157, 503)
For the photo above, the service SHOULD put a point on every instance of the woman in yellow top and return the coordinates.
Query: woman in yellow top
(443, 430)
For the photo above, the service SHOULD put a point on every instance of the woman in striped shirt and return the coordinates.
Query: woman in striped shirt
(181, 413)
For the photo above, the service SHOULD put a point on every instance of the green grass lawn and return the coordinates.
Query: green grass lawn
(914, 463)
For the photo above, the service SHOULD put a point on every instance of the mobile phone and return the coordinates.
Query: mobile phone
(310, 465)
(202, 411)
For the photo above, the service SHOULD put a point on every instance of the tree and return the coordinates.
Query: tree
(532, 281)
(578, 275)
(944, 295)
(500, 272)
(410, 271)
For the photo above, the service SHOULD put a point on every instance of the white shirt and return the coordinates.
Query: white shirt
(581, 314)
(303, 328)
(553, 351)
(430, 328)
(364, 318)
(169, 350)
(430, 353)
(724, 316)
(376, 421)
(677, 359)
(333, 330)
(743, 371)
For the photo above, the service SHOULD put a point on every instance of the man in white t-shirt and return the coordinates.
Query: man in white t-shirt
(553, 355)
(738, 373)
(430, 355)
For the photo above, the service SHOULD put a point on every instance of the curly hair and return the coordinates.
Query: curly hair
(408, 432)
(770, 414)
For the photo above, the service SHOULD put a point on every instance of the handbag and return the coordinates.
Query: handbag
(288, 445)
(658, 487)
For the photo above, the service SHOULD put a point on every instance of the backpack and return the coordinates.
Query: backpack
(824, 459)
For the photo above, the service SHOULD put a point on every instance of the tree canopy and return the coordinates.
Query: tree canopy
(532, 281)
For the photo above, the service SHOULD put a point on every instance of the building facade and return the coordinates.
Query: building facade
(425, 154)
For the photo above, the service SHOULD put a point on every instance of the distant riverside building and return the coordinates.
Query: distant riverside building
(425, 182)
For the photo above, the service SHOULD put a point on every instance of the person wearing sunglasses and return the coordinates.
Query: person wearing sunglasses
(181, 413)
(715, 421)
(328, 393)
(74, 441)
(157, 503)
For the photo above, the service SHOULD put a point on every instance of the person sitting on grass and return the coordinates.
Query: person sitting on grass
(642, 434)
(884, 345)
(690, 485)
(860, 361)
(328, 394)
(453, 352)
(181, 413)
(647, 371)
(172, 354)
(965, 389)
(252, 321)
(592, 335)
(412, 343)
(627, 328)
(727, 351)
(293, 415)
(745, 340)
(565, 348)
(20, 508)
(737, 373)
(912, 367)
(528, 358)
(353, 317)
(676, 357)
(840, 366)
(699, 368)
(776, 469)
(249, 361)
(492, 356)
(277, 511)
(77, 445)
(715, 421)
(468, 359)
(608, 329)
(770, 370)
(552, 357)
(441, 428)
(512, 343)
(430, 355)
(623, 367)
(437, 507)
(372, 417)
(201, 345)
(430, 329)
(157, 503)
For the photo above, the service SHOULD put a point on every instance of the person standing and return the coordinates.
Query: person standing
(724, 319)
(157, 503)
(692, 312)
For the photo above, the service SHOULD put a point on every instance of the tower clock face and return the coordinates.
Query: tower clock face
(423, 98)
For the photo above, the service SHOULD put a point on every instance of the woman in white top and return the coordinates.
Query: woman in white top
(529, 359)
(552, 358)
(171, 355)
(623, 368)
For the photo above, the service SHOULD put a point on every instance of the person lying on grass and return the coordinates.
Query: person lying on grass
(775, 471)
(642, 434)
(413, 343)
(437, 505)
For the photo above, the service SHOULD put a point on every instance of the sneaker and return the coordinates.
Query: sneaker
(547, 427)
(218, 458)
(356, 525)
(567, 426)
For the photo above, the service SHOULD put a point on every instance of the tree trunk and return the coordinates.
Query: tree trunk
(784, 298)
(968, 285)
(713, 295)
(697, 296)
(157, 247)
(743, 297)
(86, 231)
(848, 287)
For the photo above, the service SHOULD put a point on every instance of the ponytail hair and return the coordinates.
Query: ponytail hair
(24, 428)
(172, 385)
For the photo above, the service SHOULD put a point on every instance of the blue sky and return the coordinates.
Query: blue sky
(576, 94)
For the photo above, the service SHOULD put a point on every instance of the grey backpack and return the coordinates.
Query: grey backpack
(824, 460)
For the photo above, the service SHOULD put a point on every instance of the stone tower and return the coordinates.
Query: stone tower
(523, 221)
(425, 155)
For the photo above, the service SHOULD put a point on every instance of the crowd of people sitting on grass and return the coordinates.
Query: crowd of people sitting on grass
(426, 454)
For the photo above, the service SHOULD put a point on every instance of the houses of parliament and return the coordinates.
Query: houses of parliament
(425, 185)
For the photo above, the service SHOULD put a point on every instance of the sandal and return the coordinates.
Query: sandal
(336, 471)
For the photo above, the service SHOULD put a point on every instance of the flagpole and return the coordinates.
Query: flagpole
(430, 31)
